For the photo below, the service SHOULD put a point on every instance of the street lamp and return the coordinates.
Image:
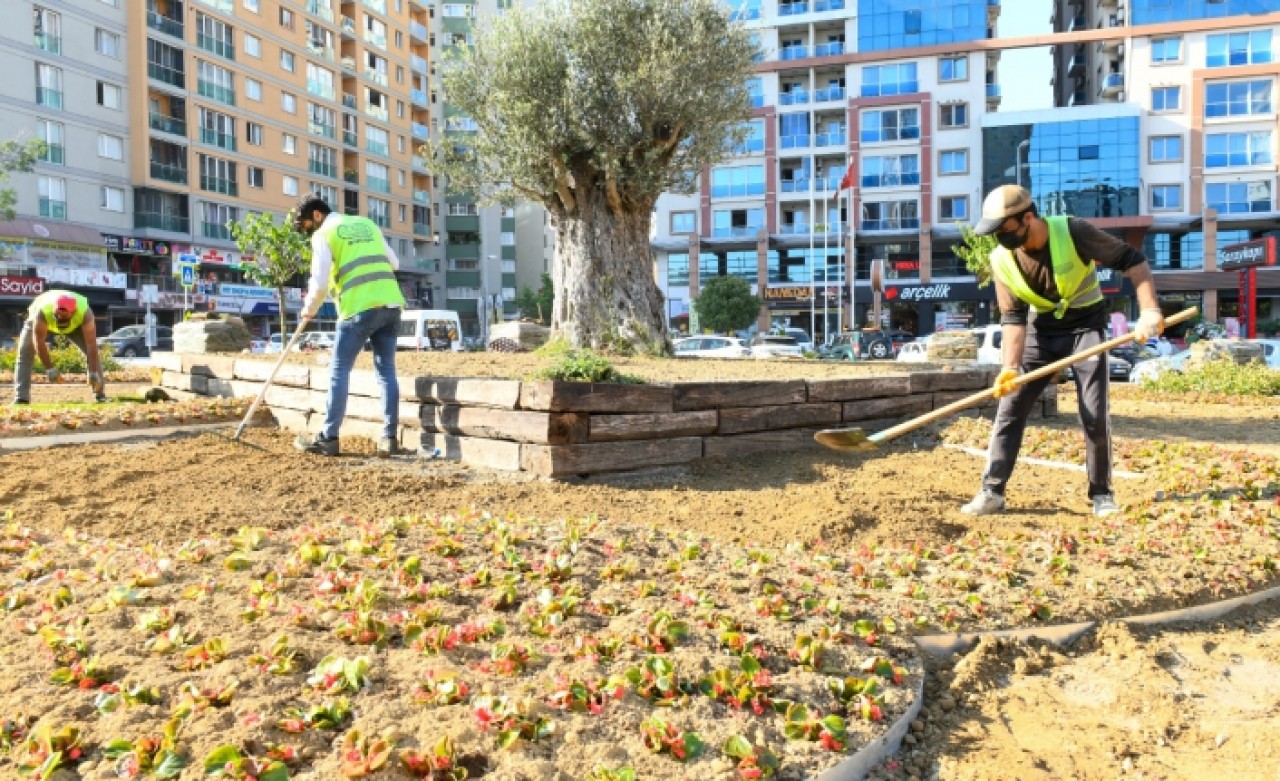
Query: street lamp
(484, 294)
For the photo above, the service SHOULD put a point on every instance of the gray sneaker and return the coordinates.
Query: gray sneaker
(388, 447)
(317, 445)
(985, 503)
(1104, 505)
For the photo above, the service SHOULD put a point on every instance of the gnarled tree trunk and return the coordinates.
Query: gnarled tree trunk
(606, 296)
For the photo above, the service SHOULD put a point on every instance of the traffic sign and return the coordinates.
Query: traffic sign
(188, 275)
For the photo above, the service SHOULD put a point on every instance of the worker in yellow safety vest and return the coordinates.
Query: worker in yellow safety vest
(63, 313)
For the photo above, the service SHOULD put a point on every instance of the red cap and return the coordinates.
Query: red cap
(65, 304)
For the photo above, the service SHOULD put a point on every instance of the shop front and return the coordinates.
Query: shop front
(36, 256)
(816, 310)
(924, 308)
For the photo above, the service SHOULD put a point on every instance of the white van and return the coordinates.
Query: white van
(430, 329)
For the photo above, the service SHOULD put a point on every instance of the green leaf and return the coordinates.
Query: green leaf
(693, 744)
(276, 771)
(738, 747)
(169, 766)
(508, 737)
(117, 748)
(219, 757)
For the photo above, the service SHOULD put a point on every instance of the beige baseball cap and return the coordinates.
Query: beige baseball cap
(1001, 204)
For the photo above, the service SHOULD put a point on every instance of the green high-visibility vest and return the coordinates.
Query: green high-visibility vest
(1076, 279)
(45, 304)
(362, 276)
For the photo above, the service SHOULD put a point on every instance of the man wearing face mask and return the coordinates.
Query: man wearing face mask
(66, 314)
(1051, 307)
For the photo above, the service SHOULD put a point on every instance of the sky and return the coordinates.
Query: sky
(1024, 73)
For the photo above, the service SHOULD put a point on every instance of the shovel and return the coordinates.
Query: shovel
(854, 440)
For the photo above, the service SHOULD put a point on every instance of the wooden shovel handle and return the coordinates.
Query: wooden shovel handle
(1022, 379)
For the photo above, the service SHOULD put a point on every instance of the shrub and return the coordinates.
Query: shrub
(67, 358)
(1225, 377)
(582, 366)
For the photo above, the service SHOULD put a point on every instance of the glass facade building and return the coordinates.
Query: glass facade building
(1156, 11)
(895, 24)
(1083, 167)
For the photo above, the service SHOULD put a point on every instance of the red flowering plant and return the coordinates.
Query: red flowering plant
(803, 723)
(584, 696)
(512, 719)
(747, 687)
(230, 762)
(656, 680)
(438, 764)
(363, 754)
(48, 750)
(663, 738)
(754, 762)
(147, 757)
(329, 715)
(441, 687)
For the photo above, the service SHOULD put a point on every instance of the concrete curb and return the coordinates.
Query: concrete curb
(108, 437)
(973, 451)
(866, 759)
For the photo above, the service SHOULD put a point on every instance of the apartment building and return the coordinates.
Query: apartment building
(66, 83)
(1164, 134)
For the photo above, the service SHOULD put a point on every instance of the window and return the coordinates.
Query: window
(289, 185)
(110, 147)
(737, 182)
(400, 178)
(252, 45)
(215, 81)
(49, 86)
(1087, 152)
(289, 143)
(1166, 98)
(322, 121)
(1237, 98)
(218, 175)
(287, 61)
(327, 192)
(375, 32)
(286, 18)
(890, 215)
(53, 197)
(953, 68)
(954, 207)
(1238, 197)
(953, 161)
(1166, 197)
(683, 222)
(891, 171)
(377, 140)
(289, 102)
(214, 218)
(377, 177)
(217, 129)
(106, 44)
(380, 212)
(793, 130)
(896, 124)
(250, 5)
(954, 115)
(1166, 149)
(254, 176)
(1244, 48)
(737, 222)
(404, 213)
(896, 79)
(214, 36)
(400, 144)
(507, 238)
(320, 82)
(108, 95)
(48, 30)
(253, 133)
(253, 89)
(1229, 150)
(111, 199)
(322, 160)
(1166, 50)
(51, 134)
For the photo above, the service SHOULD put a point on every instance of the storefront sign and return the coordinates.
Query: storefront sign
(771, 293)
(905, 266)
(246, 291)
(84, 278)
(127, 245)
(938, 292)
(70, 256)
(27, 287)
(1248, 254)
(216, 257)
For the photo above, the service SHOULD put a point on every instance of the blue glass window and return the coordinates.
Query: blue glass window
(954, 207)
(1247, 48)
(737, 222)
(954, 161)
(1226, 150)
(896, 79)
(1166, 149)
(1237, 98)
(743, 263)
(793, 130)
(953, 68)
(755, 88)
(683, 222)
(1088, 152)
(890, 215)
(737, 182)
(1166, 98)
(1166, 196)
(754, 142)
(1166, 50)
(1238, 197)
(1156, 11)
(895, 124)
(896, 24)
(891, 171)
(953, 115)
(744, 10)
(677, 269)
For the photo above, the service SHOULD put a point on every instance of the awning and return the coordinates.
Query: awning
(262, 308)
(51, 230)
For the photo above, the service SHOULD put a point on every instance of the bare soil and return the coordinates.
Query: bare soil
(886, 524)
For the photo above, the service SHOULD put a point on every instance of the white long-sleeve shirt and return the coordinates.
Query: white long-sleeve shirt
(322, 268)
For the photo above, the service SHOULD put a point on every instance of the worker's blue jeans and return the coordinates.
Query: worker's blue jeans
(379, 327)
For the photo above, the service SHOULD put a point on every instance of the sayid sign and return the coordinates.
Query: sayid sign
(1248, 254)
(26, 287)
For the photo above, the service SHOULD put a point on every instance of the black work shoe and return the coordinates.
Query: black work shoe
(22, 401)
(101, 398)
(388, 447)
(317, 445)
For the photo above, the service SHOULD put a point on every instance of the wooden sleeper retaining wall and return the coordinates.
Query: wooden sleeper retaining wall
(569, 428)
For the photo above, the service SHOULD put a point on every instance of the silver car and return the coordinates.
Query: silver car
(710, 347)
(772, 346)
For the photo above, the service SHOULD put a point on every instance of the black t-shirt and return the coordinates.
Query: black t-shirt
(1037, 268)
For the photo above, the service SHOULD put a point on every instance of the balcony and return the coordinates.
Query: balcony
(828, 49)
(49, 43)
(167, 124)
(320, 8)
(795, 142)
(794, 229)
(215, 46)
(349, 65)
(421, 196)
(1112, 85)
(418, 96)
(418, 31)
(793, 9)
(174, 77)
(1078, 23)
(349, 138)
(321, 51)
(53, 210)
(350, 177)
(377, 112)
(836, 138)
(793, 53)
(420, 165)
(417, 64)
(890, 225)
(376, 76)
(49, 98)
(994, 94)
(376, 39)
(169, 173)
(793, 98)
(377, 147)
(322, 168)
(174, 223)
(348, 27)
(216, 184)
(819, 6)
(420, 131)
(795, 186)
(828, 95)
(744, 15)
(322, 130)
(742, 231)
(214, 230)
(1076, 65)
(161, 23)
(348, 100)
(220, 140)
(54, 154)
(378, 185)
(217, 92)
(422, 230)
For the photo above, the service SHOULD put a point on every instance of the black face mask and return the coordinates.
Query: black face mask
(1012, 240)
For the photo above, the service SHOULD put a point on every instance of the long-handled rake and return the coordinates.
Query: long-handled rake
(854, 440)
(262, 394)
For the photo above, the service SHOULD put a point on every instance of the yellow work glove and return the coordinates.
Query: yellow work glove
(1003, 385)
(1150, 324)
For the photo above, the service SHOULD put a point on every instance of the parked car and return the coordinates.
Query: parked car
(859, 345)
(989, 339)
(775, 346)
(711, 347)
(899, 339)
(1149, 370)
(315, 340)
(131, 341)
(915, 352)
(801, 336)
(1270, 351)
(274, 344)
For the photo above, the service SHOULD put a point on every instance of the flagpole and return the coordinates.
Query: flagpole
(826, 265)
(841, 276)
(812, 282)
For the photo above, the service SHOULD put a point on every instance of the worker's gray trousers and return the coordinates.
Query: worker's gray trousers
(27, 359)
(1091, 393)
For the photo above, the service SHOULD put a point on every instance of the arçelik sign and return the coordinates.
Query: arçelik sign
(939, 291)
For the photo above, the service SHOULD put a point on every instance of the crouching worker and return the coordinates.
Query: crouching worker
(66, 314)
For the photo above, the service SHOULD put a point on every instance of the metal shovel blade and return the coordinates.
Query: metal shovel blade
(847, 440)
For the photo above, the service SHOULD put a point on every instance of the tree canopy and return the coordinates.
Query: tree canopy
(16, 157)
(726, 304)
(280, 253)
(593, 108)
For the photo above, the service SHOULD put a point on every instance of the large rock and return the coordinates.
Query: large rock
(1235, 350)
(952, 345)
(529, 336)
(222, 335)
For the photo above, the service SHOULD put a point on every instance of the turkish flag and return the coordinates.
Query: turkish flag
(847, 181)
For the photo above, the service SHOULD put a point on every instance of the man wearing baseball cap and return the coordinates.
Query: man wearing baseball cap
(66, 314)
(1051, 306)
